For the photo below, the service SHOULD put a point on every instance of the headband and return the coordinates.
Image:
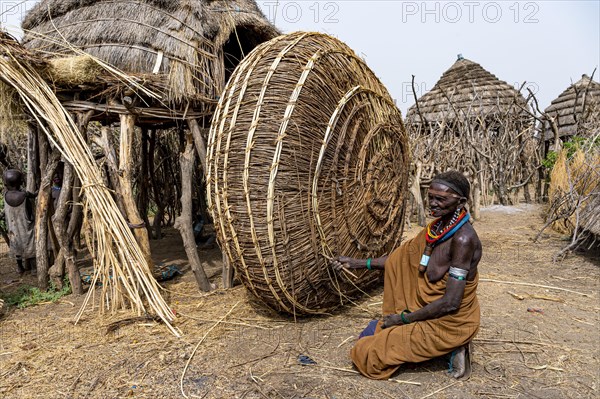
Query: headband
(450, 185)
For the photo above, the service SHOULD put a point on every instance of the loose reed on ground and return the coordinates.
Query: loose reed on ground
(307, 160)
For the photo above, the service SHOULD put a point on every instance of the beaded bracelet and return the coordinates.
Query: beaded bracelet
(403, 318)
(369, 264)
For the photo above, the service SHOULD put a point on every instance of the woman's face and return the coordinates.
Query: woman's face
(442, 200)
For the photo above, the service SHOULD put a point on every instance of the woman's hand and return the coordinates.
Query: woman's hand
(392, 320)
(344, 262)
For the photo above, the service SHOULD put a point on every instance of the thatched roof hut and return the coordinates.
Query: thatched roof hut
(578, 104)
(184, 49)
(469, 90)
(476, 123)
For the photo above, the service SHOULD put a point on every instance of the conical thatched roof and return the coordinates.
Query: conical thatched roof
(470, 90)
(189, 43)
(568, 109)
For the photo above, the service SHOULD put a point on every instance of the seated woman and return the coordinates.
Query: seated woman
(430, 303)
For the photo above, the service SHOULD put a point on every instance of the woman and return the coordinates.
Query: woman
(430, 304)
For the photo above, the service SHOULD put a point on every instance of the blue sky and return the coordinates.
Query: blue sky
(548, 44)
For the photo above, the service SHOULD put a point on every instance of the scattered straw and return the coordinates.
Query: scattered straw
(406, 382)
(440, 390)
(187, 364)
(487, 280)
(346, 340)
(336, 368)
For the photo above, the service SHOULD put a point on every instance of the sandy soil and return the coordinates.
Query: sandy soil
(254, 352)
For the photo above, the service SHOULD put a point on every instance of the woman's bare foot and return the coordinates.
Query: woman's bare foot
(459, 362)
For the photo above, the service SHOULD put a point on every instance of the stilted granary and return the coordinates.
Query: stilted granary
(141, 79)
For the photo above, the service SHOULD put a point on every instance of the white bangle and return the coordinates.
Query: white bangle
(459, 274)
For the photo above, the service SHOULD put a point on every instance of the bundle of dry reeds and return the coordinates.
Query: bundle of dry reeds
(574, 186)
(119, 263)
(72, 71)
(307, 160)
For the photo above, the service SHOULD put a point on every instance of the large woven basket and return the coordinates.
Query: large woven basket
(307, 160)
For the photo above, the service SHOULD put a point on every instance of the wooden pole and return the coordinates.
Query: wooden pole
(59, 220)
(199, 142)
(74, 229)
(476, 200)
(66, 255)
(144, 185)
(184, 222)
(110, 159)
(125, 161)
(49, 164)
(228, 272)
(33, 167)
(158, 199)
(415, 190)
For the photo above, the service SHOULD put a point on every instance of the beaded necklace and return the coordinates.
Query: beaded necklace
(435, 236)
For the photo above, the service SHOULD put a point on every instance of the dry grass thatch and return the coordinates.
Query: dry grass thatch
(13, 120)
(179, 40)
(307, 159)
(575, 106)
(466, 88)
(575, 191)
(74, 70)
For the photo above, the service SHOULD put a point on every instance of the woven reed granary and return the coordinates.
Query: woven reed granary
(578, 104)
(307, 160)
(469, 90)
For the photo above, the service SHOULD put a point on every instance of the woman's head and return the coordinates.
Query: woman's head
(454, 180)
(12, 178)
(448, 192)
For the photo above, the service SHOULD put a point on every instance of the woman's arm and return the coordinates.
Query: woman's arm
(463, 249)
(351, 263)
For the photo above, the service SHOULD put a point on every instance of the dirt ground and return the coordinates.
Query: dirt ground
(254, 352)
